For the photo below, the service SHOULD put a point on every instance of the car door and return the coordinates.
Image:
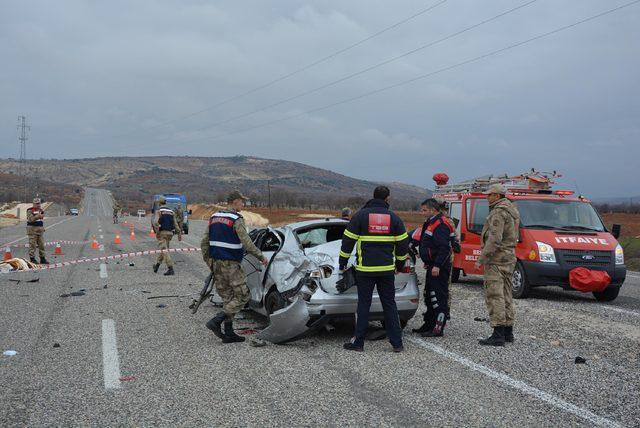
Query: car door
(269, 242)
(476, 210)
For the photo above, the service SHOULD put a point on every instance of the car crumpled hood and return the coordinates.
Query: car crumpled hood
(290, 265)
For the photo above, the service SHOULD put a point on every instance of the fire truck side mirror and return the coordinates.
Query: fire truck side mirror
(615, 230)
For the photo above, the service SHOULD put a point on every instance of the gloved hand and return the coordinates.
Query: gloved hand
(346, 281)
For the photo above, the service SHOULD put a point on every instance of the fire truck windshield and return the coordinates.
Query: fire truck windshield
(557, 214)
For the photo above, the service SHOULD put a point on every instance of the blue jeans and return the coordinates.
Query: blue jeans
(385, 285)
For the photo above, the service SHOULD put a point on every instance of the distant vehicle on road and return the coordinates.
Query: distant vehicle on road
(559, 232)
(142, 213)
(173, 200)
(73, 211)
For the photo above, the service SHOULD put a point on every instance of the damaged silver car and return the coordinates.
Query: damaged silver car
(297, 290)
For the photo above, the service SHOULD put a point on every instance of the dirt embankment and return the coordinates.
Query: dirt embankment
(203, 212)
(630, 223)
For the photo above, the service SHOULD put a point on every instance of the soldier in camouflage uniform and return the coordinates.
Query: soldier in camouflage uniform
(166, 226)
(116, 211)
(499, 238)
(180, 216)
(223, 247)
(35, 232)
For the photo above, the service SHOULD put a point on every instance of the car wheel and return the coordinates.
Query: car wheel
(607, 295)
(403, 323)
(520, 286)
(455, 275)
(274, 302)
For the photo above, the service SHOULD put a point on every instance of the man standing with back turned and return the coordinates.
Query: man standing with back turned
(382, 248)
(223, 246)
(499, 239)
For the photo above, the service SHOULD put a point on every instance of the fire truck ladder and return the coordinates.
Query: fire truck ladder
(524, 183)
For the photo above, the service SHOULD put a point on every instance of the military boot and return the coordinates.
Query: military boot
(215, 323)
(496, 339)
(156, 267)
(169, 272)
(33, 260)
(230, 336)
(43, 261)
(508, 334)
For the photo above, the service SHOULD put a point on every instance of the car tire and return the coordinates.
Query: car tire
(520, 287)
(455, 275)
(608, 295)
(403, 323)
(274, 302)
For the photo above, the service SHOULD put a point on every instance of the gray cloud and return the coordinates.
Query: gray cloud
(92, 76)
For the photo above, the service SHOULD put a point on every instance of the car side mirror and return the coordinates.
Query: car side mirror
(615, 230)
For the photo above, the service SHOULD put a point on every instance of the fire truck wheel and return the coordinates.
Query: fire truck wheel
(455, 275)
(520, 286)
(607, 295)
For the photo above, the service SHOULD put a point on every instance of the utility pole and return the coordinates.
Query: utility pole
(269, 192)
(22, 165)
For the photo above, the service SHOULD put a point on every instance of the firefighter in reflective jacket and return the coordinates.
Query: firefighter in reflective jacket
(223, 247)
(435, 252)
(165, 227)
(381, 243)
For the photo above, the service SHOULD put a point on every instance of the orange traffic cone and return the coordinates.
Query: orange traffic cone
(152, 233)
(126, 223)
(7, 254)
(94, 243)
(117, 240)
(133, 235)
(58, 250)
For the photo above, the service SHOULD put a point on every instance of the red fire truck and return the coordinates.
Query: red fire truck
(559, 232)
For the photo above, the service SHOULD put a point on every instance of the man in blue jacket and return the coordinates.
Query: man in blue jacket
(435, 252)
(381, 243)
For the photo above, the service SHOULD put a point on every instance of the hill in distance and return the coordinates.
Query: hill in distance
(207, 179)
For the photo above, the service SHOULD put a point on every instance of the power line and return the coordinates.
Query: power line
(295, 72)
(421, 77)
(364, 70)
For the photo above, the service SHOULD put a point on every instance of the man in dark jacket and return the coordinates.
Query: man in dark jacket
(381, 243)
(435, 252)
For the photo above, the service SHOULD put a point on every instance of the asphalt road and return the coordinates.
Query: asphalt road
(128, 356)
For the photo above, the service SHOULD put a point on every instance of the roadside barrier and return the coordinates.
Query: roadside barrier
(106, 258)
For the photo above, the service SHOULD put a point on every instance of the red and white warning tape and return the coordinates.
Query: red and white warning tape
(113, 257)
(51, 244)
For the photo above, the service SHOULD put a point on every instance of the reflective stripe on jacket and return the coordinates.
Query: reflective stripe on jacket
(380, 239)
(224, 243)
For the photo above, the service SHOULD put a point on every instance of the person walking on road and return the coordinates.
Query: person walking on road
(166, 226)
(35, 232)
(381, 243)
(435, 252)
(499, 239)
(180, 216)
(223, 246)
(116, 212)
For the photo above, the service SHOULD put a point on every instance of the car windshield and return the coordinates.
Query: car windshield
(557, 214)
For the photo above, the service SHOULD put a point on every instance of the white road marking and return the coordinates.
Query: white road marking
(110, 360)
(46, 227)
(517, 384)
(103, 270)
(620, 310)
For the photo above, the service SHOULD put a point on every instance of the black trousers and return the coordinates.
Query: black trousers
(385, 285)
(436, 297)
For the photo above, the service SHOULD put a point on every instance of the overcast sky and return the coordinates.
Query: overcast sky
(97, 78)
